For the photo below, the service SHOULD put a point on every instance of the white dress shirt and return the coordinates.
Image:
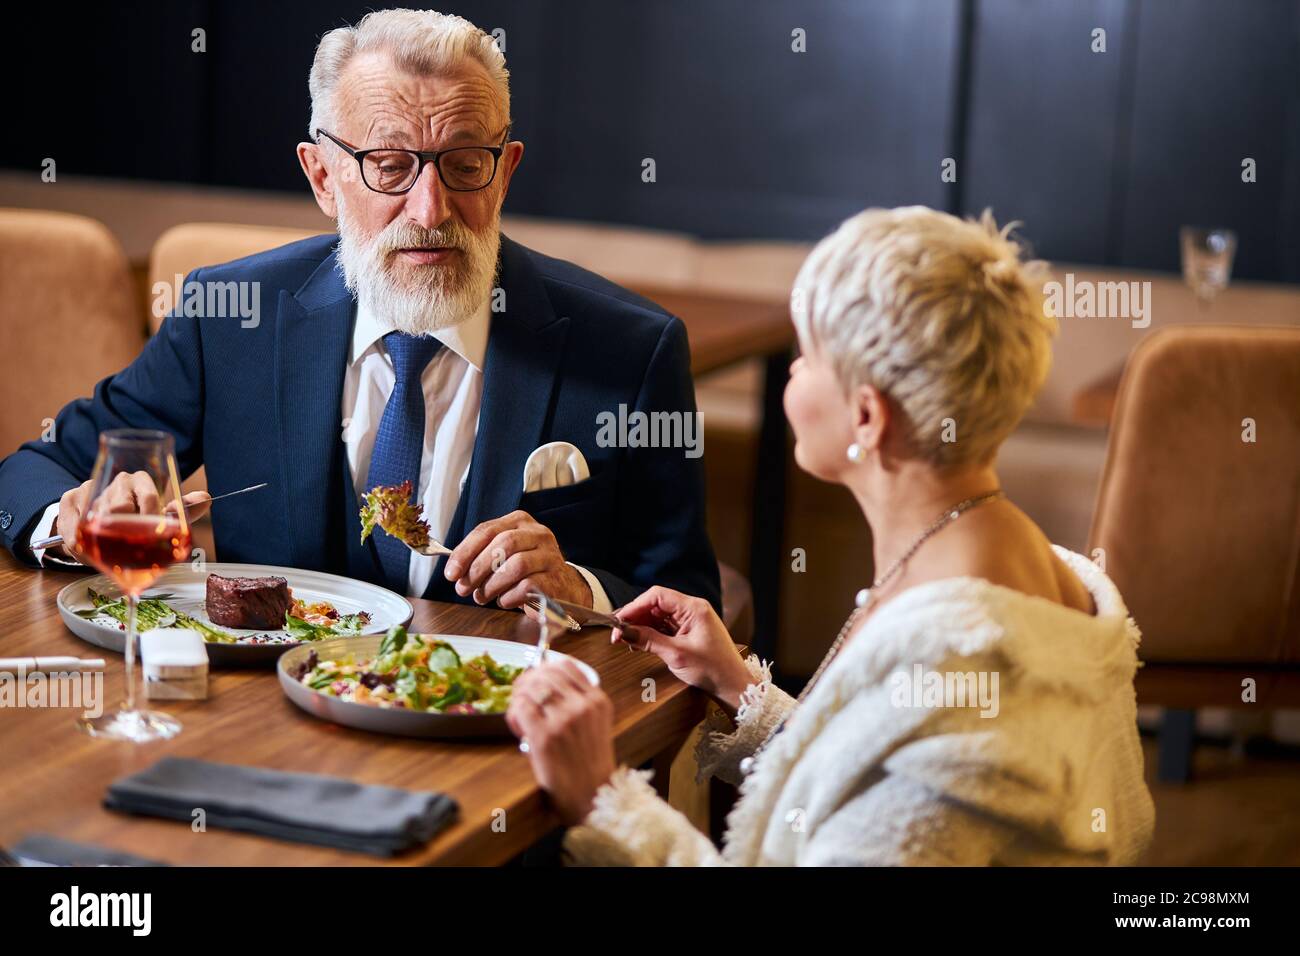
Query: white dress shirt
(453, 392)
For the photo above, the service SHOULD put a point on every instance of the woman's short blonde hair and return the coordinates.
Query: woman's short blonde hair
(938, 313)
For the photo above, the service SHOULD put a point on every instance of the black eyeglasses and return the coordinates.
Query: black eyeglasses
(462, 169)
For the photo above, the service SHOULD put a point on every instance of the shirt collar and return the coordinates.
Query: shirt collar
(469, 339)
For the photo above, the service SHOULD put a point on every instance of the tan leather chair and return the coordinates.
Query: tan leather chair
(1200, 527)
(68, 316)
(184, 248)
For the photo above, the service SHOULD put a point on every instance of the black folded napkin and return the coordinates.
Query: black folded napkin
(304, 807)
(41, 849)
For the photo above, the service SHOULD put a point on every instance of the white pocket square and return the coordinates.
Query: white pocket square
(554, 465)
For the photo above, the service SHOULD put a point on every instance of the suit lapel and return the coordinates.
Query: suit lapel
(362, 559)
(313, 334)
(524, 355)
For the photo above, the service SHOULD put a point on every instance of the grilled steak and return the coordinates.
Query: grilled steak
(258, 603)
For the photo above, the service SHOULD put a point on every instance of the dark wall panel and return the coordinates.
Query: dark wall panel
(749, 138)
(105, 93)
(1215, 82)
(1044, 122)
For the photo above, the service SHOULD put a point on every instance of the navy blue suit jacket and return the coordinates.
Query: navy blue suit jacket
(263, 403)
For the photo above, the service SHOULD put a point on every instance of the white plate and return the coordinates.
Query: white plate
(399, 720)
(188, 588)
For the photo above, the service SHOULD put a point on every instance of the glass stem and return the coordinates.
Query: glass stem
(131, 600)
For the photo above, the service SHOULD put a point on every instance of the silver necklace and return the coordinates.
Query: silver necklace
(864, 601)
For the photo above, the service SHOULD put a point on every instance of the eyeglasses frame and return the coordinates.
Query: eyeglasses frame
(425, 158)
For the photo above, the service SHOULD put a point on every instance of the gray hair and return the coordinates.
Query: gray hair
(939, 314)
(422, 42)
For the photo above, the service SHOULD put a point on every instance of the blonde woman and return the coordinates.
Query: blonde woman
(978, 706)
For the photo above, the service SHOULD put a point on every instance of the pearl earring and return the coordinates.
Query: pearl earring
(855, 452)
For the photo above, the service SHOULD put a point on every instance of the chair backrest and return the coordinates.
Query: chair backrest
(1198, 515)
(181, 249)
(68, 316)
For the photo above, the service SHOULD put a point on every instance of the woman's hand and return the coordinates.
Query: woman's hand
(688, 636)
(569, 726)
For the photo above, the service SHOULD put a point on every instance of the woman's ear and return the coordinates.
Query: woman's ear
(318, 174)
(871, 416)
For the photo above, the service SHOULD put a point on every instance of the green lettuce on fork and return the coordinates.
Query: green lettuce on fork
(389, 507)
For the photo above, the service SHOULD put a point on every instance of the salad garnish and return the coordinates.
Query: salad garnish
(153, 612)
(303, 621)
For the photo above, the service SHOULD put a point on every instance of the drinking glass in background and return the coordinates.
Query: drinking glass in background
(134, 545)
(1207, 260)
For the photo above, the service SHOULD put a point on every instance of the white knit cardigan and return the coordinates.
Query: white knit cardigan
(860, 775)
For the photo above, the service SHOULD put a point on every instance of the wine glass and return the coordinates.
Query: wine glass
(133, 535)
(1207, 260)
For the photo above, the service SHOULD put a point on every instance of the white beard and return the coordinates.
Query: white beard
(419, 299)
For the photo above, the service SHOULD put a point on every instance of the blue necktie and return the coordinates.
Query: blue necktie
(399, 443)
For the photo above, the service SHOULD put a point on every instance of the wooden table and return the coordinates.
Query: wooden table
(53, 777)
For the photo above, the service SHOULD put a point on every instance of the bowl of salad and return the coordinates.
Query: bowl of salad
(413, 685)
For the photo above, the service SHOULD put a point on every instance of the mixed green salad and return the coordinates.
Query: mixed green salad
(417, 672)
(151, 612)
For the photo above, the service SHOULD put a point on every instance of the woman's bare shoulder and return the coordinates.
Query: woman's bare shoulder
(1006, 548)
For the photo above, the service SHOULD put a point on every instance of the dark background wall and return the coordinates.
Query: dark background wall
(1102, 155)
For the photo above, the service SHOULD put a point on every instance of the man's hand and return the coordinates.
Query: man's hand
(503, 559)
(127, 494)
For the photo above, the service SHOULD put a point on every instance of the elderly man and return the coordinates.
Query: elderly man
(418, 345)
